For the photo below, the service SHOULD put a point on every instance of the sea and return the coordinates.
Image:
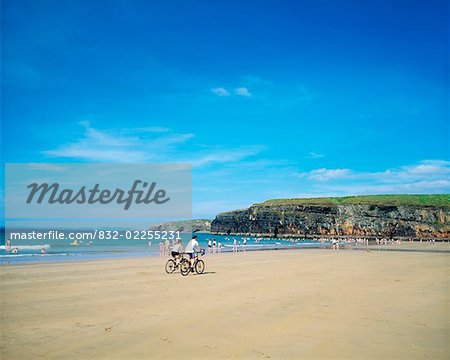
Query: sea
(41, 251)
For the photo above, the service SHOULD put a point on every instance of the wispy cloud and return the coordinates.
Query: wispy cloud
(414, 187)
(117, 146)
(148, 129)
(325, 174)
(220, 91)
(426, 176)
(226, 156)
(314, 155)
(156, 144)
(242, 91)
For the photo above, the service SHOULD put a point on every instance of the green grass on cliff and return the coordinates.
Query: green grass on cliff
(441, 200)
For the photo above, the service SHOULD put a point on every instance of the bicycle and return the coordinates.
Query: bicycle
(198, 266)
(172, 265)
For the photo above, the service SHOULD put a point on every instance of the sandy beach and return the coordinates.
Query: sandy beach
(310, 304)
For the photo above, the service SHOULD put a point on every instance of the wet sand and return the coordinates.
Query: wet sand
(311, 304)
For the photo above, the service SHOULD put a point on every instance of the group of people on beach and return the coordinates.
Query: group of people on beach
(214, 246)
(237, 244)
(15, 250)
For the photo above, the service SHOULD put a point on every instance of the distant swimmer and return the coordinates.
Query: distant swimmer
(15, 250)
(42, 251)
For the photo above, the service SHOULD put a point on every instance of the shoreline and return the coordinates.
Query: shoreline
(319, 236)
(403, 247)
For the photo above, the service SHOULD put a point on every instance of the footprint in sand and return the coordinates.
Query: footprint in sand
(166, 339)
(260, 353)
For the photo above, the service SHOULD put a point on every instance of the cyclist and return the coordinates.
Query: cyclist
(177, 249)
(191, 248)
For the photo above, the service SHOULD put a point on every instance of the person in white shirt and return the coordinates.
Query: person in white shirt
(177, 249)
(209, 246)
(191, 247)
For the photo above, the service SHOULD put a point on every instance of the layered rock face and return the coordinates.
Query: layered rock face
(340, 219)
(184, 225)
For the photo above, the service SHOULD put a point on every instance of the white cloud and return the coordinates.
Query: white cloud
(427, 176)
(242, 91)
(148, 129)
(325, 174)
(220, 91)
(314, 155)
(136, 146)
(226, 156)
(115, 146)
(415, 187)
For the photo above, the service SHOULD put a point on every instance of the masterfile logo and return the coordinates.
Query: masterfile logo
(106, 191)
(54, 194)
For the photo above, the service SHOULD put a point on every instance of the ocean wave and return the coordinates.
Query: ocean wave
(42, 255)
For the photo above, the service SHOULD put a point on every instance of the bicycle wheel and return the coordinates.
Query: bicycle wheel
(200, 267)
(170, 266)
(185, 267)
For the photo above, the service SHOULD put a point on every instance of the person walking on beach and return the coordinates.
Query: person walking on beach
(234, 245)
(209, 246)
(220, 247)
(214, 246)
(245, 243)
(334, 244)
(8, 246)
(167, 248)
(161, 249)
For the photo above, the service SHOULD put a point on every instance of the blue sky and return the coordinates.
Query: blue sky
(266, 99)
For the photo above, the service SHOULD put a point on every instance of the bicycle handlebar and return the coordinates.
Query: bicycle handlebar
(202, 252)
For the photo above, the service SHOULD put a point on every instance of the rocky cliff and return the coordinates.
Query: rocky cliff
(379, 216)
(202, 225)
